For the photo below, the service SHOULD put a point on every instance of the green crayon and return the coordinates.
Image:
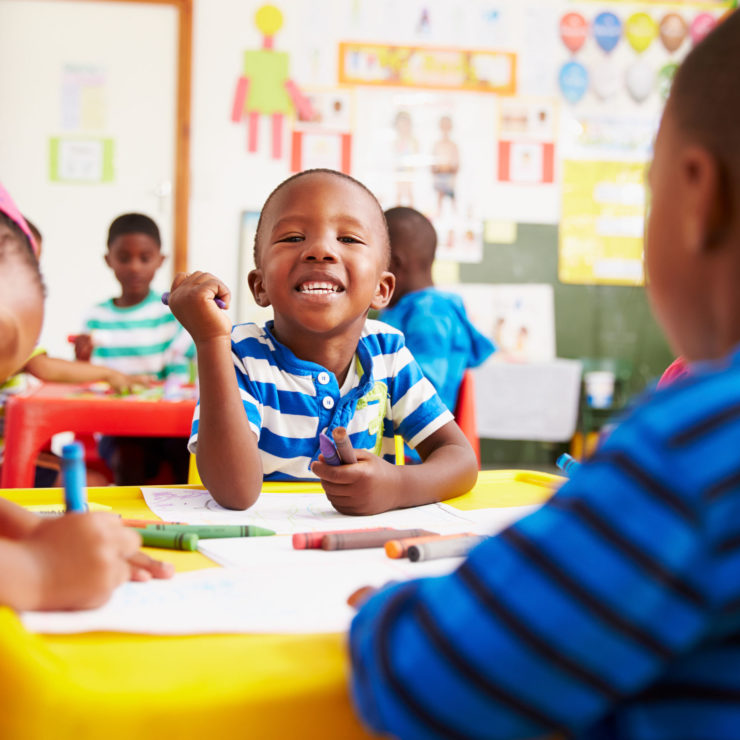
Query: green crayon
(207, 531)
(169, 540)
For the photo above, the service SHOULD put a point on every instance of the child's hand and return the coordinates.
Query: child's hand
(122, 383)
(83, 347)
(192, 301)
(369, 486)
(78, 560)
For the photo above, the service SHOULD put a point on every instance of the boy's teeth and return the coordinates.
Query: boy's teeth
(319, 288)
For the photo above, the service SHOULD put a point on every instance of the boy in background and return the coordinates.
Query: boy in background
(435, 325)
(75, 561)
(613, 612)
(321, 256)
(136, 334)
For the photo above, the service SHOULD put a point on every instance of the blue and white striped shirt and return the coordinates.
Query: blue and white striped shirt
(288, 401)
(612, 612)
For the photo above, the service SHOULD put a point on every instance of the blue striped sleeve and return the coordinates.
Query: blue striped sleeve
(547, 626)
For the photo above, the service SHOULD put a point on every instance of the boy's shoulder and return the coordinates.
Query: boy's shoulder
(686, 432)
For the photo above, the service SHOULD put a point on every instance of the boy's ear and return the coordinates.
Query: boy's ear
(162, 258)
(383, 290)
(107, 259)
(707, 213)
(257, 286)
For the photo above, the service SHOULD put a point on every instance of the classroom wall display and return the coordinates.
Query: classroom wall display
(437, 68)
(519, 318)
(83, 98)
(434, 152)
(600, 237)
(80, 160)
(265, 86)
(325, 138)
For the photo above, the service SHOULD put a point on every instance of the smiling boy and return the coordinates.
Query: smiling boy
(321, 255)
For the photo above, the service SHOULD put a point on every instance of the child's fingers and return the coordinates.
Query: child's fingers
(144, 567)
(178, 280)
(342, 474)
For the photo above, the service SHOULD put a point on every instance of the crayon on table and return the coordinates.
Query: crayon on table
(143, 523)
(400, 548)
(328, 450)
(313, 540)
(168, 540)
(344, 446)
(212, 531)
(361, 540)
(166, 300)
(73, 475)
(567, 464)
(445, 548)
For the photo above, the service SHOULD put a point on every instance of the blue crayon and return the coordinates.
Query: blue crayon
(567, 464)
(328, 450)
(73, 474)
(166, 300)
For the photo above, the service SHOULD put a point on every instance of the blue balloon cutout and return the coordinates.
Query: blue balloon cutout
(573, 79)
(607, 30)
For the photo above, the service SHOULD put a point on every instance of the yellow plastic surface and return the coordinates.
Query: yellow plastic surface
(121, 686)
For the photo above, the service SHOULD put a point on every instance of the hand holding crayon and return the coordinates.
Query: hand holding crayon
(368, 486)
(197, 300)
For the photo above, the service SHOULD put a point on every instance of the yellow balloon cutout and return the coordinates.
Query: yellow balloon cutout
(640, 30)
(268, 19)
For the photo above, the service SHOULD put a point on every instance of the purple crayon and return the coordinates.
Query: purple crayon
(166, 300)
(328, 450)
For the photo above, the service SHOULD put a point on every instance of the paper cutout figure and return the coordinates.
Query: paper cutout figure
(573, 30)
(640, 30)
(265, 87)
(673, 31)
(607, 30)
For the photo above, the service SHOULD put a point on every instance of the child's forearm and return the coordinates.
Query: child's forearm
(56, 370)
(449, 468)
(228, 457)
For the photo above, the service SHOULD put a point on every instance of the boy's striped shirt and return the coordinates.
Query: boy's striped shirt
(612, 612)
(288, 401)
(141, 339)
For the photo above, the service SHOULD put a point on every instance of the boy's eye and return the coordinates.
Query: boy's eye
(349, 239)
(293, 238)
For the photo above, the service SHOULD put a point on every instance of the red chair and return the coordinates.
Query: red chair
(465, 412)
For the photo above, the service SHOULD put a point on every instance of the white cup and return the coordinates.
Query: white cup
(599, 388)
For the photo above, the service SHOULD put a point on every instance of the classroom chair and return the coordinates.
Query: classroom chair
(465, 412)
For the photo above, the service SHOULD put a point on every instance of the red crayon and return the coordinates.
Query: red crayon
(143, 523)
(313, 540)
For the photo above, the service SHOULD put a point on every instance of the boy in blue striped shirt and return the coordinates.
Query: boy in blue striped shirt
(613, 611)
(321, 255)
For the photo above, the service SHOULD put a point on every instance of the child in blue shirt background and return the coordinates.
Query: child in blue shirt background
(321, 256)
(613, 612)
(434, 323)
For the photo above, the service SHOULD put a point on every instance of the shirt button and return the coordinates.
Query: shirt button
(328, 402)
(323, 378)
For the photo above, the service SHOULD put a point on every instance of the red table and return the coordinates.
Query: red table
(31, 419)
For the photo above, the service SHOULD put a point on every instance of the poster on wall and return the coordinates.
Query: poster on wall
(601, 231)
(519, 318)
(80, 160)
(434, 152)
(438, 68)
(83, 97)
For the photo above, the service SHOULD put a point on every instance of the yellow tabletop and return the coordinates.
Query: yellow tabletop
(114, 685)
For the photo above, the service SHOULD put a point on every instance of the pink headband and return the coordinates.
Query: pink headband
(10, 209)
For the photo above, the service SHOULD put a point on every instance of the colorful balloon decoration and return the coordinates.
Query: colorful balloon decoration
(640, 30)
(573, 80)
(701, 26)
(665, 79)
(673, 30)
(607, 30)
(573, 30)
(640, 80)
(605, 78)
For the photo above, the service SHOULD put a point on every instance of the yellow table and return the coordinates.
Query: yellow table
(113, 685)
